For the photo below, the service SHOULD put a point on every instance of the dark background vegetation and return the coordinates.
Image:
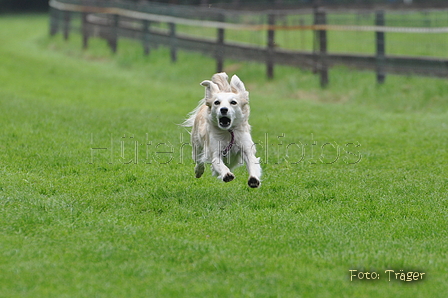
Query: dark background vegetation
(42, 5)
(23, 5)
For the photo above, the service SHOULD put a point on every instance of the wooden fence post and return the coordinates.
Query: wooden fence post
(67, 19)
(380, 48)
(85, 31)
(146, 36)
(321, 35)
(270, 47)
(173, 42)
(220, 46)
(54, 21)
(113, 42)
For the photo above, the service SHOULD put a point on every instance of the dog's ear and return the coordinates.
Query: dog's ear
(221, 79)
(238, 87)
(210, 89)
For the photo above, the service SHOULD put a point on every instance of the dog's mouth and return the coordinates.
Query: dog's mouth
(224, 122)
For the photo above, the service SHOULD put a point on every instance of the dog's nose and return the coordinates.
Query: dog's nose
(224, 111)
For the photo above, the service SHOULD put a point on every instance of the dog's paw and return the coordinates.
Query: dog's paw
(228, 177)
(253, 182)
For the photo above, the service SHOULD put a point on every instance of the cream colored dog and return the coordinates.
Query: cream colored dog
(221, 132)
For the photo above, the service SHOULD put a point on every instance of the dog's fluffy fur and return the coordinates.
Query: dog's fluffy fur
(220, 132)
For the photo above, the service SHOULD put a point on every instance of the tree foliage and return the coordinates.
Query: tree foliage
(23, 5)
(42, 5)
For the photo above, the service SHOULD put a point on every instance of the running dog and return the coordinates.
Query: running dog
(220, 132)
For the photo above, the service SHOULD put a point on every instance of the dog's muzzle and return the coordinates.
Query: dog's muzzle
(224, 122)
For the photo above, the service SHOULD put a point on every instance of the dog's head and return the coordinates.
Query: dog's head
(228, 104)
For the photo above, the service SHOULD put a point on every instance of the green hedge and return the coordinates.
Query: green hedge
(23, 5)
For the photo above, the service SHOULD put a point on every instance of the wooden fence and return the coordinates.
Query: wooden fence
(131, 20)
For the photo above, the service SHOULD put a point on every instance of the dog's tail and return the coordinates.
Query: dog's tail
(222, 80)
(192, 115)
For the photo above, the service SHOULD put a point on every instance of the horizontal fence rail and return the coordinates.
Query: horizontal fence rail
(113, 19)
(222, 25)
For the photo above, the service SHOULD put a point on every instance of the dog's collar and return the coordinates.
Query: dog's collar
(229, 147)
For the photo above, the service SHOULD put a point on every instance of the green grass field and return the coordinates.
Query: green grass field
(354, 178)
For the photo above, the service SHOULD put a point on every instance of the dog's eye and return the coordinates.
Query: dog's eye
(233, 102)
(217, 102)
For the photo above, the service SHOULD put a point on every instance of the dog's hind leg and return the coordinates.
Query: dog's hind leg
(199, 170)
(198, 157)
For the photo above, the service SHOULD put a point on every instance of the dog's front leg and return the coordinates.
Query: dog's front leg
(252, 165)
(221, 170)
